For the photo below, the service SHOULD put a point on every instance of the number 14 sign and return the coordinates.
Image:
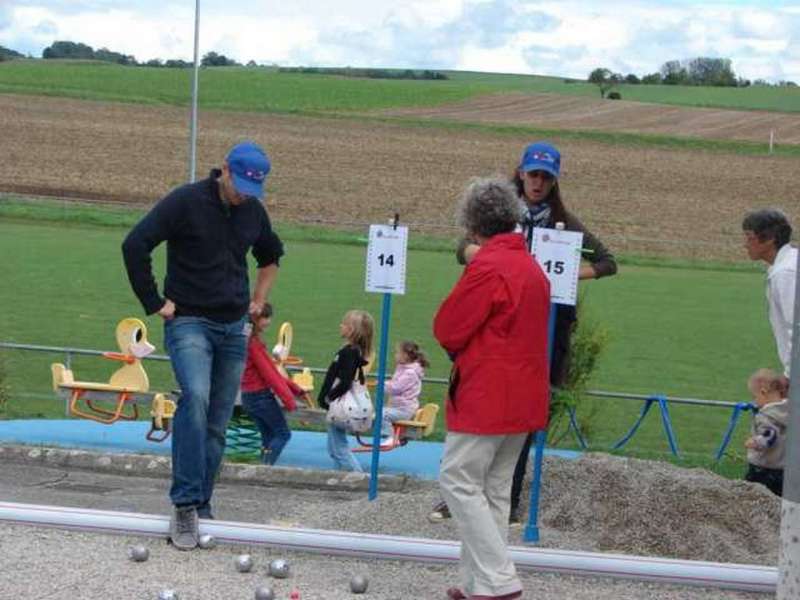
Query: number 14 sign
(558, 252)
(386, 259)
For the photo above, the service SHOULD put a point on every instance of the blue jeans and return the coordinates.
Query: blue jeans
(390, 415)
(207, 359)
(264, 409)
(339, 450)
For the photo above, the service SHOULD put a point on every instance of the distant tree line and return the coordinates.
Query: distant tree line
(8, 54)
(368, 73)
(80, 51)
(717, 72)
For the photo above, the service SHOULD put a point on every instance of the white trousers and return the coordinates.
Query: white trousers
(475, 479)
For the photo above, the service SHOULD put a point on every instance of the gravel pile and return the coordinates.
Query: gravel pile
(615, 504)
(599, 503)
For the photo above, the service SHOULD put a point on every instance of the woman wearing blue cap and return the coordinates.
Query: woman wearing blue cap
(536, 180)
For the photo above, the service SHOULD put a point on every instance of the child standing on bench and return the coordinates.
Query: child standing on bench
(405, 385)
(357, 328)
(261, 381)
(766, 447)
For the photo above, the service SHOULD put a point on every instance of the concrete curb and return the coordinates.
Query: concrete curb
(149, 465)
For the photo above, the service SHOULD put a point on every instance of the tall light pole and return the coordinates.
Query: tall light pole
(789, 562)
(195, 75)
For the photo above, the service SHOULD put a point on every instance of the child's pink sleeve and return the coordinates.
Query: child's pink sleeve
(401, 383)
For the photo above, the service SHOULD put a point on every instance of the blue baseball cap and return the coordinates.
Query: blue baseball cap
(249, 167)
(540, 156)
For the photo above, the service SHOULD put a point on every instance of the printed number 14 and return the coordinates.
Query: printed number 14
(386, 260)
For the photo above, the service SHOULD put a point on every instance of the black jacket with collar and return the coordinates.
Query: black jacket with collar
(207, 243)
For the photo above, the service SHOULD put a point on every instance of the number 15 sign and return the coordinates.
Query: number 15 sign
(386, 259)
(558, 252)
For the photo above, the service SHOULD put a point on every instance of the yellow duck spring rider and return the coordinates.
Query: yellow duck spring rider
(127, 387)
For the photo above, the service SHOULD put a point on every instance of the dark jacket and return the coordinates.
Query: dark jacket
(494, 322)
(341, 373)
(207, 244)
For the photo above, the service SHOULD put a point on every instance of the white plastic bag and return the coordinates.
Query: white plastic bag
(353, 410)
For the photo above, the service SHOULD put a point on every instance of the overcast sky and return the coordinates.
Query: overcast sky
(565, 38)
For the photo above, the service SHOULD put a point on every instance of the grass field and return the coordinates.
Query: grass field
(673, 329)
(749, 98)
(263, 89)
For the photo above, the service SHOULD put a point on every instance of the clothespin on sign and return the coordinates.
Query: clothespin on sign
(395, 221)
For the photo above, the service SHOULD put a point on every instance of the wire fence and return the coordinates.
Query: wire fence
(649, 401)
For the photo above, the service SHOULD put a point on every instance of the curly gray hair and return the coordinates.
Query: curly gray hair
(488, 206)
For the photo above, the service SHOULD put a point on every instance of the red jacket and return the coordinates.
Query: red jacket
(260, 373)
(495, 324)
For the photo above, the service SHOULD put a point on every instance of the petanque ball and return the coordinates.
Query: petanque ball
(358, 584)
(279, 568)
(264, 593)
(167, 595)
(244, 563)
(207, 541)
(138, 553)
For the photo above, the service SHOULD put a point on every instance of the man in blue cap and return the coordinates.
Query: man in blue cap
(208, 226)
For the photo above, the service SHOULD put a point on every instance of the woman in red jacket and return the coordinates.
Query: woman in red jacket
(494, 326)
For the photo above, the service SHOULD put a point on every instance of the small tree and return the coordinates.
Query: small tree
(673, 73)
(652, 79)
(604, 79)
(63, 49)
(8, 53)
(173, 63)
(586, 345)
(212, 59)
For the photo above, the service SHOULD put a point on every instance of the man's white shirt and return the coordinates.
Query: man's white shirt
(781, 278)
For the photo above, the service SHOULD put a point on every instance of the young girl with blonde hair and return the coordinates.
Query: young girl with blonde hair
(357, 328)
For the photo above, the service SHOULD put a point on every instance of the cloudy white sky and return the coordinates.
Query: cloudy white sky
(564, 38)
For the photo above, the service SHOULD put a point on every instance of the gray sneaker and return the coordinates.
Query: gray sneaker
(183, 528)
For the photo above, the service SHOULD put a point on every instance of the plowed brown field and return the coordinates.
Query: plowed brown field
(556, 111)
(646, 200)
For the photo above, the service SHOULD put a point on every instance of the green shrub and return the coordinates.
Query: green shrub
(586, 345)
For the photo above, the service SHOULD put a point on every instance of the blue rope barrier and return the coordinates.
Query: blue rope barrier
(665, 420)
(737, 411)
(573, 425)
(667, 423)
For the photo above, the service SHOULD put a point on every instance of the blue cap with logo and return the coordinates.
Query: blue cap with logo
(249, 167)
(541, 156)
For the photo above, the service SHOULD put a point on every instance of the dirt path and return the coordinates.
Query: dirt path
(643, 200)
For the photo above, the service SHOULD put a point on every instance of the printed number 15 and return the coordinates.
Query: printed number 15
(386, 260)
(556, 267)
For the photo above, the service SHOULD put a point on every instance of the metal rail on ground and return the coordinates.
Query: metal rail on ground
(753, 578)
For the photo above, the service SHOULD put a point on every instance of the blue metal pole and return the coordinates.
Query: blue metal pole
(531, 533)
(376, 427)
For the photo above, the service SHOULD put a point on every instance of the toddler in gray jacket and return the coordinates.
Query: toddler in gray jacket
(766, 445)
